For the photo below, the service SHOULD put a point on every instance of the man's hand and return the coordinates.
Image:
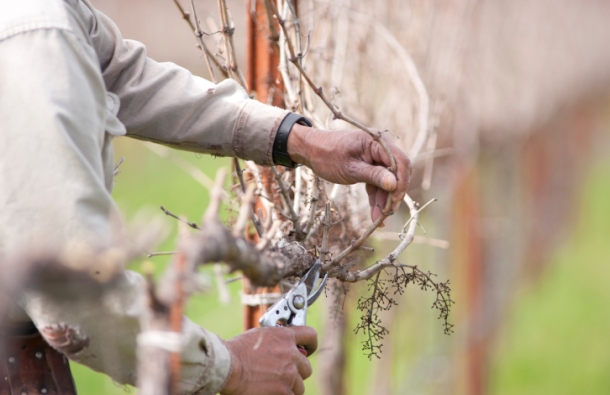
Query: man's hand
(352, 156)
(266, 361)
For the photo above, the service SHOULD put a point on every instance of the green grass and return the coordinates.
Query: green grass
(557, 340)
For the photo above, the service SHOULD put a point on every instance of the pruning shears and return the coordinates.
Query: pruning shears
(291, 310)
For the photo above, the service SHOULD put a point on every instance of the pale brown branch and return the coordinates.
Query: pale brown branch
(223, 291)
(268, 219)
(412, 72)
(431, 148)
(240, 174)
(213, 209)
(389, 260)
(331, 198)
(227, 30)
(327, 223)
(233, 279)
(294, 217)
(169, 213)
(115, 171)
(199, 35)
(313, 205)
(377, 135)
(413, 218)
(437, 153)
(273, 34)
(301, 54)
(242, 183)
(289, 94)
(161, 326)
(185, 15)
(152, 254)
(184, 165)
(244, 211)
(176, 316)
(269, 233)
(153, 361)
(298, 187)
(367, 233)
(439, 243)
(215, 243)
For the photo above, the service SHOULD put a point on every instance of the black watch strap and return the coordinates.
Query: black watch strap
(280, 144)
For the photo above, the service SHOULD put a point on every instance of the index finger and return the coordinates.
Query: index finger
(305, 336)
(403, 166)
(304, 367)
(403, 172)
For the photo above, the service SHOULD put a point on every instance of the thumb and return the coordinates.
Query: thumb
(379, 176)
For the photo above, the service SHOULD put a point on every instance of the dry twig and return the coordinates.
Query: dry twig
(300, 192)
(227, 30)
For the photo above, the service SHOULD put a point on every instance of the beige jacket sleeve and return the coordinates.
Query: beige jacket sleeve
(165, 103)
(68, 84)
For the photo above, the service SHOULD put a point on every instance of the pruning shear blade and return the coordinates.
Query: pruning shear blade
(291, 310)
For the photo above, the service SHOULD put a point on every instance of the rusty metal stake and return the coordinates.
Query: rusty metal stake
(264, 79)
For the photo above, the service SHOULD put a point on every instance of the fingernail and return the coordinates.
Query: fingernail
(396, 206)
(387, 182)
(400, 197)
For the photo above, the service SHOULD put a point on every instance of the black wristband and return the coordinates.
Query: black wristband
(280, 144)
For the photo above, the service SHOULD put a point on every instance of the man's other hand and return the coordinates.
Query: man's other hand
(266, 361)
(352, 156)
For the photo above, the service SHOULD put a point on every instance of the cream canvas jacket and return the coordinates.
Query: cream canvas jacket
(69, 84)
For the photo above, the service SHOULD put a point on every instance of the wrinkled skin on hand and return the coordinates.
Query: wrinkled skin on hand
(353, 156)
(266, 361)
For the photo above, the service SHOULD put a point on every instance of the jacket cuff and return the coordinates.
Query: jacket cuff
(206, 362)
(255, 130)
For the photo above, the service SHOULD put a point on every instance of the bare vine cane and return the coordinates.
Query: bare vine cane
(268, 267)
(216, 243)
(383, 290)
(376, 135)
(154, 377)
(227, 30)
(196, 29)
(289, 212)
(176, 314)
(256, 221)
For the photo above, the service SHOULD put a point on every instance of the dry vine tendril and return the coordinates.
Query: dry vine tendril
(382, 299)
